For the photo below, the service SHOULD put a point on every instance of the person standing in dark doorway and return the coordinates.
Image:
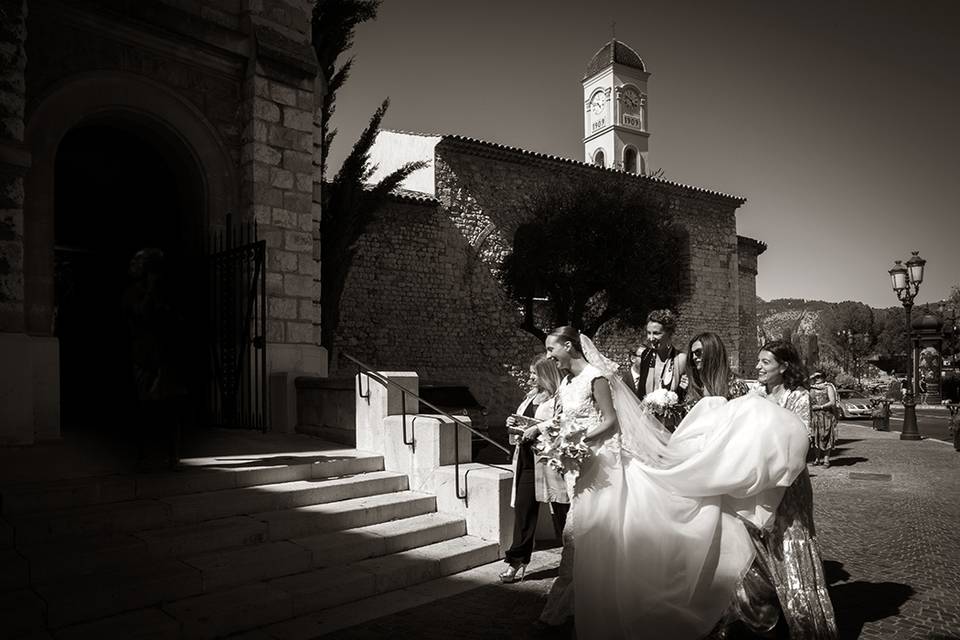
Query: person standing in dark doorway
(156, 345)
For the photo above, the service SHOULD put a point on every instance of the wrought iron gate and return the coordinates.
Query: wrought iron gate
(238, 395)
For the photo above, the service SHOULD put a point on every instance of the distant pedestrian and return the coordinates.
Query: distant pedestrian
(823, 418)
(923, 388)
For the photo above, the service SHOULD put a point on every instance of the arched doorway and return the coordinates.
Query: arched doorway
(165, 153)
(118, 187)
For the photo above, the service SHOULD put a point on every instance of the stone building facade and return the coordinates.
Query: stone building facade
(423, 292)
(220, 96)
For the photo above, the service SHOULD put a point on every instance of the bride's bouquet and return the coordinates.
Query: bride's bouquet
(563, 448)
(664, 404)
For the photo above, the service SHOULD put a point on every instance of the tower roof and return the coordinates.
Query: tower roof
(613, 51)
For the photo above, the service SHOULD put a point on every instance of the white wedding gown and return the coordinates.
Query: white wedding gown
(657, 520)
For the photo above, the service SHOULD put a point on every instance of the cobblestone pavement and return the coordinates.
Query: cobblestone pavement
(888, 518)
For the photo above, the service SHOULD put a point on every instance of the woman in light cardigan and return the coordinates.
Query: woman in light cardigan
(534, 482)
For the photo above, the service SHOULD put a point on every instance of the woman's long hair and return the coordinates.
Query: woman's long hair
(548, 375)
(714, 378)
(795, 375)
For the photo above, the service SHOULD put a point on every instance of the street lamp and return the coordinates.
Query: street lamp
(906, 284)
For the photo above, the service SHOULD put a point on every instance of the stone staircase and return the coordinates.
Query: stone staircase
(220, 548)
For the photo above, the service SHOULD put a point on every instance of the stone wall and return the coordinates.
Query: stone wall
(419, 299)
(423, 293)
(230, 85)
(486, 190)
(749, 251)
(14, 160)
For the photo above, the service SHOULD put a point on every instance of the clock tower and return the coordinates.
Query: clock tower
(615, 124)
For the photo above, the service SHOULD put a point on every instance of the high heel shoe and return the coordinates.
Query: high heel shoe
(513, 571)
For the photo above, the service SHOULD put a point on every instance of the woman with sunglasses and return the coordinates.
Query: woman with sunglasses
(710, 372)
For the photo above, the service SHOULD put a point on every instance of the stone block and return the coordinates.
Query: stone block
(307, 310)
(283, 308)
(273, 238)
(305, 100)
(300, 241)
(299, 202)
(305, 221)
(376, 401)
(285, 218)
(487, 508)
(298, 162)
(325, 588)
(304, 182)
(437, 441)
(263, 194)
(298, 119)
(274, 331)
(266, 154)
(281, 178)
(283, 95)
(286, 138)
(274, 284)
(266, 110)
(308, 266)
(262, 213)
(301, 286)
(260, 131)
(301, 332)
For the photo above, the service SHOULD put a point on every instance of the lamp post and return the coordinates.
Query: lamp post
(906, 284)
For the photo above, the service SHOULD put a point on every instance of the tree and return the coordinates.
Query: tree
(332, 25)
(594, 253)
(349, 202)
(850, 332)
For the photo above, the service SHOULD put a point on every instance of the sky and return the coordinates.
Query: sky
(839, 122)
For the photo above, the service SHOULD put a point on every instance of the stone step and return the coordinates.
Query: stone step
(102, 519)
(75, 557)
(247, 607)
(222, 613)
(339, 548)
(139, 515)
(346, 514)
(194, 476)
(243, 565)
(104, 594)
(14, 570)
(280, 496)
(391, 523)
(22, 614)
(143, 624)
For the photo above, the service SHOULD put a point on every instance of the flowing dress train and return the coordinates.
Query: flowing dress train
(658, 525)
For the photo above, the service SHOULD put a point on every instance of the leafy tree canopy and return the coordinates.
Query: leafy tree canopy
(594, 252)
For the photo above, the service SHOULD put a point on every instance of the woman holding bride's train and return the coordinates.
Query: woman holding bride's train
(658, 520)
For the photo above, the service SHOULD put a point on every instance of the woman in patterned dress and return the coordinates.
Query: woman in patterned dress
(823, 419)
(788, 570)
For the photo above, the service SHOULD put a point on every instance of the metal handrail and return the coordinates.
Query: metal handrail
(386, 382)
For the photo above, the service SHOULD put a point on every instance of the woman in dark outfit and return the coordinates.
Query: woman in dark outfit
(534, 482)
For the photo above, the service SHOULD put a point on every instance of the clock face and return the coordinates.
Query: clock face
(631, 99)
(598, 102)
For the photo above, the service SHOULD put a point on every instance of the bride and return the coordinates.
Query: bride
(658, 520)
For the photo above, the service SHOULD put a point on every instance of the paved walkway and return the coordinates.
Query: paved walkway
(888, 517)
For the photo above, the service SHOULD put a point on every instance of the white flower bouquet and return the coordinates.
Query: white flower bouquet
(663, 403)
(660, 401)
(562, 447)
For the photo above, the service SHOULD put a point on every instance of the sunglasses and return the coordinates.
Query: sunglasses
(697, 353)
